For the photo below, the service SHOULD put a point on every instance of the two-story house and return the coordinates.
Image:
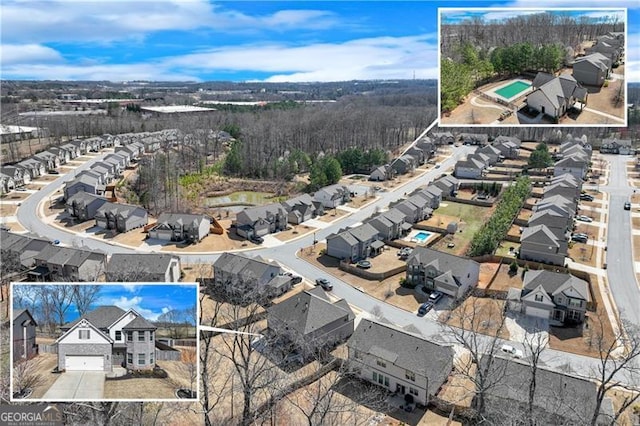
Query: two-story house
(84, 205)
(332, 196)
(121, 217)
(447, 273)
(149, 267)
(539, 244)
(355, 244)
(390, 224)
(181, 227)
(261, 220)
(68, 264)
(399, 361)
(237, 274)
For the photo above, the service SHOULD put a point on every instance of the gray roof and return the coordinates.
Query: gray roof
(242, 265)
(57, 255)
(18, 312)
(125, 210)
(364, 232)
(443, 262)
(139, 263)
(539, 234)
(101, 317)
(556, 393)
(307, 312)
(85, 198)
(175, 219)
(405, 350)
(139, 323)
(556, 282)
(255, 214)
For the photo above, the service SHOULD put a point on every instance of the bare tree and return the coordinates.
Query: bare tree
(535, 342)
(25, 376)
(84, 296)
(61, 296)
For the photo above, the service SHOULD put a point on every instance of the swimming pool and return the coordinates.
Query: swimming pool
(511, 90)
(421, 237)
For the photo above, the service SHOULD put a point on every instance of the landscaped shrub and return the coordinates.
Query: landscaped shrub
(513, 268)
(488, 237)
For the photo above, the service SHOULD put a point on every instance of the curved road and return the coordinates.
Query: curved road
(626, 295)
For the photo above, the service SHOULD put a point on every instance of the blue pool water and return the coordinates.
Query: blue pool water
(421, 236)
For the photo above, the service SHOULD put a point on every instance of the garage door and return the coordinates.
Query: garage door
(537, 312)
(84, 362)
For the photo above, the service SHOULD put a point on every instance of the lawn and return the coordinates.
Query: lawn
(470, 219)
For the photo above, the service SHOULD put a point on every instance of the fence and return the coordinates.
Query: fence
(374, 276)
(49, 349)
(168, 355)
(185, 342)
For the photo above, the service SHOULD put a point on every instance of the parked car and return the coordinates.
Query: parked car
(583, 218)
(404, 252)
(324, 283)
(579, 238)
(435, 297)
(627, 205)
(516, 353)
(586, 197)
(257, 239)
(424, 308)
(364, 264)
(54, 172)
(296, 279)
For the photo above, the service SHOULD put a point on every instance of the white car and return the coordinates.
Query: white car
(583, 218)
(516, 353)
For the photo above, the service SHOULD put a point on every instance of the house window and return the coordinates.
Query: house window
(357, 354)
(129, 336)
(538, 298)
(151, 336)
(84, 334)
(140, 336)
(413, 391)
(151, 358)
(118, 335)
(575, 303)
(141, 359)
(410, 375)
(381, 363)
(129, 358)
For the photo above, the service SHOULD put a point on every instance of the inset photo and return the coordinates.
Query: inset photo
(523, 67)
(104, 342)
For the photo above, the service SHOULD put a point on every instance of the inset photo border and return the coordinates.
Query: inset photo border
(104, 342)
(532, 67)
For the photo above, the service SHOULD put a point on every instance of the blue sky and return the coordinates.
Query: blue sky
(237, 40)
(149, 300)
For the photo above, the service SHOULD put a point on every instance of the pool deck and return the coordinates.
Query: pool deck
(412, 237)
(507, 84)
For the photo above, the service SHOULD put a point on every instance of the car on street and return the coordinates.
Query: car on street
(627, 205)
(435, 297)
(516, 353)
(586, 197)
(583, 218)
(324, 283)
(364, 264)
(424, 308)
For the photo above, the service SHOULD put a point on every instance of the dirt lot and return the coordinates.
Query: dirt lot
(458, 388)
(478, 314)
(504, 280)
(584, 341)
(602, 99)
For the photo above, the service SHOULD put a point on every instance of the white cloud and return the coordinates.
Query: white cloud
(506, 14)
(134, 303)
(131, 288)
(12, 54)
(107, 21)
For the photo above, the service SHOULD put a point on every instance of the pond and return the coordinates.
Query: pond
(244, 198)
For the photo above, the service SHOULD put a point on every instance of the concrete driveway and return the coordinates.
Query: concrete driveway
(80, 385)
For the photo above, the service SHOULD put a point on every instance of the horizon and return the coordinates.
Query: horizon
(239, 42)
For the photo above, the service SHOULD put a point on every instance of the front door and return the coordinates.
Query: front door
(400, 389)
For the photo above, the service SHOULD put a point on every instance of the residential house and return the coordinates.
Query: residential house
(493, 154)
(419, 156)
(131, 150)
(107, 337)
(103, 169)
(559, 398)
(238, 274)
(302, 208)
(332, 196)
(611, 51)
(557, 203)
(73, 150)
(442, 138)
(470, 168)
(433, 193)
(19, 250)
(592, 70)
(121, 217)
(121, 159)
(50, 161)
(474, 138)
(561, 298)
(402, 362)
(557, 223)
(92, 173)
(567, 178)
(404, 164)
(390, 224)
(24, 335)
(84, 205)
(448, 184)
(68, 264)
(427, 146)
(261, 220)
(563, 189)
(181, 227)
(539, 244)
(447, 273)
(616, 146)
(83, 183)
(20, 176)
(7, 184)
(572, 165)
(354, 244)
(145, 267)
(382, 173)
(81, 146)
(509, 146)
(61, 153)
(116, 165)
(554, 96)
(415, 208)
(310, 321)
(34, 166)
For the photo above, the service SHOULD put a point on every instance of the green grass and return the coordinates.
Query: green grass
(472, 216)
(512, 89)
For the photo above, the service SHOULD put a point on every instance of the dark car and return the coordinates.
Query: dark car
(324, 283)
(424, 308)
(627, 205)
(54, 172)
(586, 197)
(257, 239)
(579, 238)
(296, 279)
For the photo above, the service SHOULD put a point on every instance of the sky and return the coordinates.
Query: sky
(271, 41)
(149, 300)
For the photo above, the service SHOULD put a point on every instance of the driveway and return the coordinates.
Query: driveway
(83, 385)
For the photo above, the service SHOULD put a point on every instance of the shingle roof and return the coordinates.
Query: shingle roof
(101, 317)
(139, 323)
(539, 234)
(555, 283)
(139, 263)
(238, 264)
(443, 262)
(125, 210)
(405, 350)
